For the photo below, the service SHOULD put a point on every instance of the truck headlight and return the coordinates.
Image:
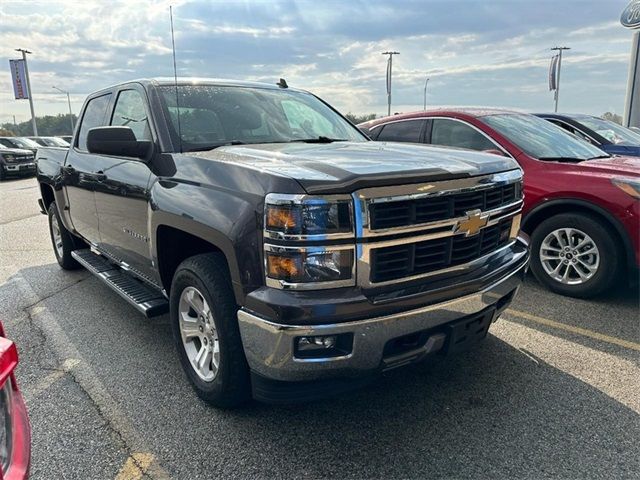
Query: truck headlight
(300, 217)
(630, 186)
(309, 267)
(8, 157)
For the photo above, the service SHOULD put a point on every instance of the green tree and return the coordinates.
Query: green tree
(49, 125)
(356, 119)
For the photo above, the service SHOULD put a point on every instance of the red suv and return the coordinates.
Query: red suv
(581, 205)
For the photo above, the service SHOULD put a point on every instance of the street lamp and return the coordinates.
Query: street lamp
(69, 102)
(425, 93)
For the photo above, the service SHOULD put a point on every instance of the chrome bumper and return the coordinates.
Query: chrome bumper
(269, 347)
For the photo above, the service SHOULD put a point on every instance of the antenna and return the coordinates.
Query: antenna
(175, 77)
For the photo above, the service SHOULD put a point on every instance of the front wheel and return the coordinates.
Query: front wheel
(575, 254)
(205, 331)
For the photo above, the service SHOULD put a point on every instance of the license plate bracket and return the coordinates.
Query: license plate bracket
(468, 331)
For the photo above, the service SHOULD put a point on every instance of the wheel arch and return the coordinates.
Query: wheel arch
(557, 206)
(175, 243)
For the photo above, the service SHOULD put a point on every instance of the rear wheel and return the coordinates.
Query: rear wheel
(575, 254)
(62, 240)
(205, 330)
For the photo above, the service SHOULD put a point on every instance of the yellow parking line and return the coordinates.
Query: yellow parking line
(135, 467)
(46, 382)
(577, 330)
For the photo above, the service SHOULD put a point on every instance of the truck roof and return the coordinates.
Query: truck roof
(164, 81)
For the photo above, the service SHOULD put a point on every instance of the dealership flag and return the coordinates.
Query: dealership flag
(19, 78)
(553, 73)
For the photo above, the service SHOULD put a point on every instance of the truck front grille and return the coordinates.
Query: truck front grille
(406, 260)
(401, 213)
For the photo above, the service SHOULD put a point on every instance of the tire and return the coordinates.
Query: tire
(590, 272)
(62, 240)
(205, 279)
(3, 174)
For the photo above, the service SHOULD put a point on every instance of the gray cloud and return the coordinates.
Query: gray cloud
(491, 52)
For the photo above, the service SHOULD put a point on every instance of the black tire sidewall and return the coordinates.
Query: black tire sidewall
(608, 249)
(230, 387)
(66, 261)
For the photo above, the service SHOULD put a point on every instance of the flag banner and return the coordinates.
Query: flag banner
(19, 78)
(553, 73)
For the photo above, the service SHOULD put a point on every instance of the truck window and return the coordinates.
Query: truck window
(452, 133)
(130, 112)
(405, 131)
(94, 116)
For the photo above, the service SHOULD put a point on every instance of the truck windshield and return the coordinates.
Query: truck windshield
(541, 139)
(216, 115)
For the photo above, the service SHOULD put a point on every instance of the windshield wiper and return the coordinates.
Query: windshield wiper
(212, 146)
(600, 156)
(320, 139)
(562, 159)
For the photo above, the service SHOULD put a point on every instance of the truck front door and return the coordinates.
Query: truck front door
(122, 198)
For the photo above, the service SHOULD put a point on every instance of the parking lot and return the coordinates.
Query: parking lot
(553, 391)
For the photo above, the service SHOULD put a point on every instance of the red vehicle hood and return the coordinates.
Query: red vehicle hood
(615, 165)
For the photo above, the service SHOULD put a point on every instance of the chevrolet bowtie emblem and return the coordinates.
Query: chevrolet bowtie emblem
(472, 224)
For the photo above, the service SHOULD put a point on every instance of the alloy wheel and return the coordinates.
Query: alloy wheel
(569, 256)
(199, 334)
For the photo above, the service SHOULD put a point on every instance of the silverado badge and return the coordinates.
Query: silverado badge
(472, 224)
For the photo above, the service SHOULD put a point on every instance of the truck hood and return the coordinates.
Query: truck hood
(348, 166)
(614, 165)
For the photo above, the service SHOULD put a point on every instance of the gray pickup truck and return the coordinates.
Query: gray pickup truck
(295, 257)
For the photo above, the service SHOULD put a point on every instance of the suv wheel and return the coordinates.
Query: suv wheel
(63, 241)
(205, 330)
(574, 254)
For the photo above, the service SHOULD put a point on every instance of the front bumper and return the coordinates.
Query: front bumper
(19, 168)
(270, 346)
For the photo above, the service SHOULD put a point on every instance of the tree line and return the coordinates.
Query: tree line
(52, 125)
(49, 125)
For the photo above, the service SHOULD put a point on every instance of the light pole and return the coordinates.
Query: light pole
(69, 102)
(389, 72)
(26, 74)
(425, 93)
(559, 49)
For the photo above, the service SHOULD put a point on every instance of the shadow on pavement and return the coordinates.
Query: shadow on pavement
(490, 412)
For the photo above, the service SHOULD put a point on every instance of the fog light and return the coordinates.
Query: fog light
(317, 343)
(323, 346)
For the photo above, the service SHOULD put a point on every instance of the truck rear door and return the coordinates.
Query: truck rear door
(81, 171)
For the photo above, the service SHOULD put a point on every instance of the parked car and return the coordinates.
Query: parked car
(581, 205)
(19, 142)
(296, 258)
(604, 134)
(15, 432)
(15, 161)
(50, 141)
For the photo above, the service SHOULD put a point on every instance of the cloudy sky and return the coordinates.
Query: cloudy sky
(485, 52)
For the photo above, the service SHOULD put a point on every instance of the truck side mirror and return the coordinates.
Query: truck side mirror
(118, 141)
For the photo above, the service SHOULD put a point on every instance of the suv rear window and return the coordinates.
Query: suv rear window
(403, 131)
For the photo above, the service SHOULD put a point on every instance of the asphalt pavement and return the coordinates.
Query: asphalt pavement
(553, 391)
